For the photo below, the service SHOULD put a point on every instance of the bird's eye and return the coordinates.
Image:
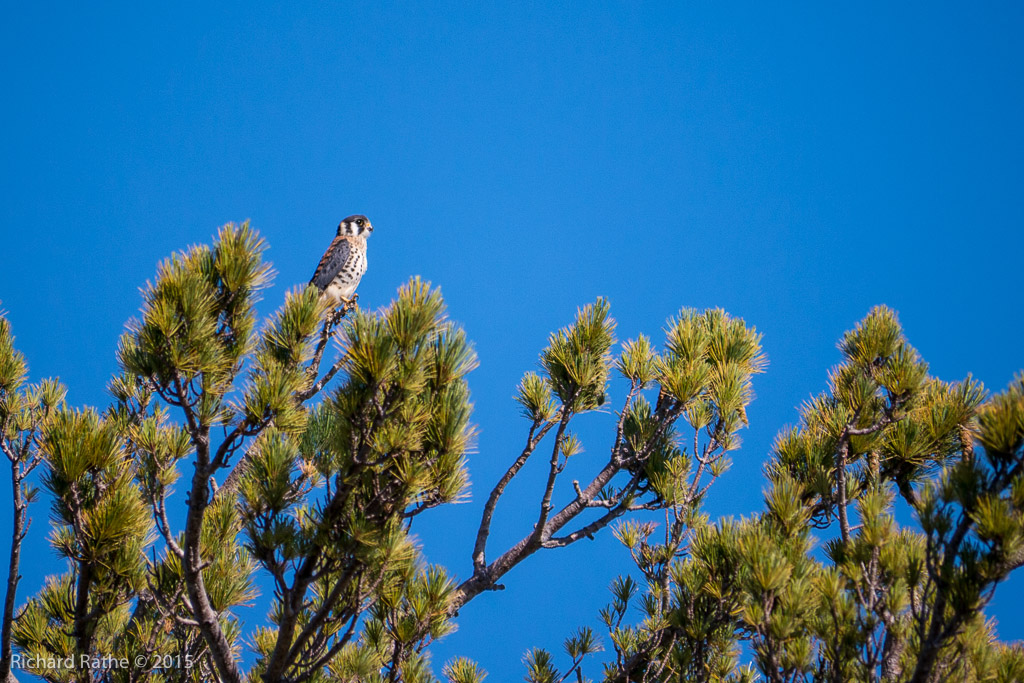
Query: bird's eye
(360, 222)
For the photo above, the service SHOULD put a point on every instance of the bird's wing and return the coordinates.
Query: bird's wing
(333, 261)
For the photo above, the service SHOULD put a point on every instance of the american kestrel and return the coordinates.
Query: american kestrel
(344, 263)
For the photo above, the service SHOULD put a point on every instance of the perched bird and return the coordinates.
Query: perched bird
(344, 263)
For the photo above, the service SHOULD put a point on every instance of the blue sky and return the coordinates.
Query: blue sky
(794, 165)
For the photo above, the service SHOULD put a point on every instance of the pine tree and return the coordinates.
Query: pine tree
(882, 603)
(310, 471)
(23, 412)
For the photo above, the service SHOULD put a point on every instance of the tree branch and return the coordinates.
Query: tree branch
(534, 438)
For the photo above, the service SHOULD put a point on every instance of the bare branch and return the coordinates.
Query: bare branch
(534, 438)
(553, 470)
(319, 385)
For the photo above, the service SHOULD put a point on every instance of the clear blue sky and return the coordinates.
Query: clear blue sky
(795, 166)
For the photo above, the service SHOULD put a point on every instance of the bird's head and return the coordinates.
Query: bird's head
(355, 225)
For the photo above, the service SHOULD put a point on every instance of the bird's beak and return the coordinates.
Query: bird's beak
(369, 227)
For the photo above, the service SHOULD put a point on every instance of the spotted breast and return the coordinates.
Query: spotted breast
(344, 262)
